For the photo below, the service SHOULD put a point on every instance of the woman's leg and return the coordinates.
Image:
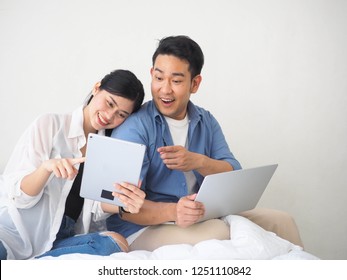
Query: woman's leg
(103, 244)
(3, 251)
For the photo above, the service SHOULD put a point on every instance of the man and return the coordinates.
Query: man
(184, 144)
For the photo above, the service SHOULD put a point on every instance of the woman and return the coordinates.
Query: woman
(39, 191)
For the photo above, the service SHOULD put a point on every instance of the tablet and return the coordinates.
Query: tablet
(108, 161)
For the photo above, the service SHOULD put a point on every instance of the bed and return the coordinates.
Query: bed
(248, 242)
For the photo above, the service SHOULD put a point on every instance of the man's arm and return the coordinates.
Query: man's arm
(184, 213)
(179, 158)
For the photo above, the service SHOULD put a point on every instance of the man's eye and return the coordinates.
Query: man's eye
(158, 78)
(176, 81)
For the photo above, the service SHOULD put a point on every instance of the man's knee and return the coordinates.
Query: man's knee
(276, 221)
(268, 217)
(275, 217)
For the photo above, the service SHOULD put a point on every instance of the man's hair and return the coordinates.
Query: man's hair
(183, 48)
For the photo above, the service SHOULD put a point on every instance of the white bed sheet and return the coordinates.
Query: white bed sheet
(248, 242)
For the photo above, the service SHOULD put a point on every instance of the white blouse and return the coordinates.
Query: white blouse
(29, 224)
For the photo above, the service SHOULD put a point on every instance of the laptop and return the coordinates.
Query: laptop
(232, 192)
(109, 161)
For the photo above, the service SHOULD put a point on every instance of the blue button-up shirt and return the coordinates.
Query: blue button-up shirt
(150, 128)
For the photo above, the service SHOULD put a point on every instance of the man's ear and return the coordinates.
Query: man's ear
(196, 83)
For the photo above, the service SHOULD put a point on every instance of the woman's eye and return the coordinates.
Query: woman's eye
(121, 115)
(110, 104)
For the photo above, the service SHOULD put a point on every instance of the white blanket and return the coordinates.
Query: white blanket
(248, 242)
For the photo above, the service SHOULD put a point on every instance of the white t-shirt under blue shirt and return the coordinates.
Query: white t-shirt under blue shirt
(179, 134)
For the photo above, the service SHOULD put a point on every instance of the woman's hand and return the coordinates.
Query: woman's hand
(63, 167)
(33, 183)
(131, 196)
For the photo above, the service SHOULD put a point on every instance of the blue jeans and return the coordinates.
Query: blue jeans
(3, 251)
(91, 243)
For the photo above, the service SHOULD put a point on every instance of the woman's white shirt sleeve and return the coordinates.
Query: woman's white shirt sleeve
(36, 219)
(34, 147)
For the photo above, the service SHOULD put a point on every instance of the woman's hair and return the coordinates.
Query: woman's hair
(183, 48)
(125, 84)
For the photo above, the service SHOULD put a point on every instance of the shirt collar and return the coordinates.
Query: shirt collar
(76, 125)
(193, 112)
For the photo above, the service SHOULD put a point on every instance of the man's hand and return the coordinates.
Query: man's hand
(179, 158)
(132, 196)
(188, 211)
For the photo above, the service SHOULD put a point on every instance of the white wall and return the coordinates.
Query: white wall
(275, 77)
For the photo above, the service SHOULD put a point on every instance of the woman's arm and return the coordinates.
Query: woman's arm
(33, 183)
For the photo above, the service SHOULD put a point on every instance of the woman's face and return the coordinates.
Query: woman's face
(106, 110)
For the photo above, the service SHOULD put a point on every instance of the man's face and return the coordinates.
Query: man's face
(172, 86)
